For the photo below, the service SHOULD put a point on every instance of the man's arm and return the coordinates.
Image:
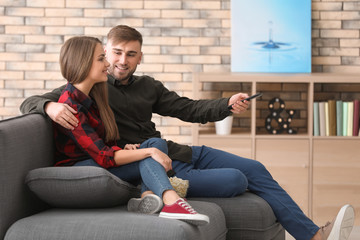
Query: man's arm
(202, 111)
(36, 103)
(47, 105)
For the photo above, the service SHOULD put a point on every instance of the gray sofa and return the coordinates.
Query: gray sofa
(26, 143)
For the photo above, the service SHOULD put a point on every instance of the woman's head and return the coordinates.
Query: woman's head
(76, 58)
(77, 61)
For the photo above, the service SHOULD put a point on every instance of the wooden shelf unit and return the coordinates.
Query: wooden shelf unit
(320, 173)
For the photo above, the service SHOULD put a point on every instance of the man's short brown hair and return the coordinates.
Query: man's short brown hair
(123, 33)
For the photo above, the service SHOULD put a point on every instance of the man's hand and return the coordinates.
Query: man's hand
(131, 146)
(62, 114)
(239, 106)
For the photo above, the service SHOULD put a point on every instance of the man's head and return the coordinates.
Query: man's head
(123, 52)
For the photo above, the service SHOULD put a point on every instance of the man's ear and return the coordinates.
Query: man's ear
(141, 54)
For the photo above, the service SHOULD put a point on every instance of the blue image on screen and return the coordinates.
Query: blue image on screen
(271, 36)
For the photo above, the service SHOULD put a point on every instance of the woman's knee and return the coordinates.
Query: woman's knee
(158, 143)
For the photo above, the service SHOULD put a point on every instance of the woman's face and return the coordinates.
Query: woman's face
(98, 71)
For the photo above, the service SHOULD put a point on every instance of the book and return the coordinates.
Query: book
(345, 116)
(316, 119)
(332, 117)
(350, 111)
(322, 119)
(339, 118)
(327, 133)
(356, 118)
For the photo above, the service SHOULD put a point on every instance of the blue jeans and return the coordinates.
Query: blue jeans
(147, 172)
(215, 173)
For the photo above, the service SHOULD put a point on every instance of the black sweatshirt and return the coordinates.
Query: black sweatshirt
(133, 105)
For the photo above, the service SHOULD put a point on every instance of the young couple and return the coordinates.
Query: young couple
(97, 129)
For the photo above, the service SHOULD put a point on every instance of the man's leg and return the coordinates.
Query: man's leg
(260, 182)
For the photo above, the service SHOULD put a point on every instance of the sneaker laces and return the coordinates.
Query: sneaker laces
(326, 224)
(187, 206)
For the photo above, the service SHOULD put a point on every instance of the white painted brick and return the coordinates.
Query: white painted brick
(45, 3)
(45, 21)
(13, 102)
(162, 4)
(11, 38)
(24, 84)
(25, 11)
(13, 3)
(25, 48)
(24, 66)
(189, 50)
(133, 22)
(104, 13)
(201, 5)
(54, 84)
(64, 30)
(12, 20)
(92, 22)
(161, 59)
(44, 39)
(9, 29)
(63, 12)
(84, 4)
(202, 59)
(162, 22)
(124, 4)
(5, 56)
(33, 75)
(184, 14)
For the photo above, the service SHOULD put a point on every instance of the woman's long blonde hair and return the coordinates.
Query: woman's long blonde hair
(76, 58)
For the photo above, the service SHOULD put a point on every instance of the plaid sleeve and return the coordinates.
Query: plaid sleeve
(86, 137)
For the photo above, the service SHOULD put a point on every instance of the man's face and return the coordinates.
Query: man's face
(123, 58)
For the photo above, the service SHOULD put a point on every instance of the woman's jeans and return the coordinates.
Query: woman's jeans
(215, 173)
(148, 172)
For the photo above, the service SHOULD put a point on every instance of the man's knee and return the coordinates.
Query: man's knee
(237, 183)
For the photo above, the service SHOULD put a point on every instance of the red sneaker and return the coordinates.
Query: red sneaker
(182, 210)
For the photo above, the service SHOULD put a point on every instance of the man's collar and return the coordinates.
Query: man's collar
(117, 83)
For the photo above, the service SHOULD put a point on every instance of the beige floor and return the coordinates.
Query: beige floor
(355, 234)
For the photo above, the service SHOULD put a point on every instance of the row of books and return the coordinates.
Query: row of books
(336, 118)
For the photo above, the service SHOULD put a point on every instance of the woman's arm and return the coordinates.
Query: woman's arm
(128, 156)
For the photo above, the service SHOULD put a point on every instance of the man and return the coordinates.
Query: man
(211, 172)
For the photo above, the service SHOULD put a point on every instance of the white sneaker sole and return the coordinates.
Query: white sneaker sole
(343, 224)
(149, 204)
(195, 219)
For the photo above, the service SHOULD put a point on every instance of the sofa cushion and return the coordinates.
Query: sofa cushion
(79, 187)
(248, 216)
(116, 224)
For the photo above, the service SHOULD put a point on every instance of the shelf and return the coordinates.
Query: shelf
(301, 162)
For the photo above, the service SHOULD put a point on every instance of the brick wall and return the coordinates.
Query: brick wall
(180, 37)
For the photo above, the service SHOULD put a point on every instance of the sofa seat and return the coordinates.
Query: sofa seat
(257, 219)
(116, 224)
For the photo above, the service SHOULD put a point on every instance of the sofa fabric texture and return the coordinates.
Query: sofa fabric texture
(79, 187)
(26, 143)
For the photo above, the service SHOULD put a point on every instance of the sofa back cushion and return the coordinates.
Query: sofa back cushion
(26, 143)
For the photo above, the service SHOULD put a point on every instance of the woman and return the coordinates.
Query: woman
(92, 142)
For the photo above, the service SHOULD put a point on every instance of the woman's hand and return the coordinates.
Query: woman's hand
(162, 158)
(131, 146)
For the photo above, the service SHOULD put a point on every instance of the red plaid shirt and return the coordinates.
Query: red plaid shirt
(86, 140)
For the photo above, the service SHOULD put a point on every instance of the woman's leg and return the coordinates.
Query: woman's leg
(259, 180)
